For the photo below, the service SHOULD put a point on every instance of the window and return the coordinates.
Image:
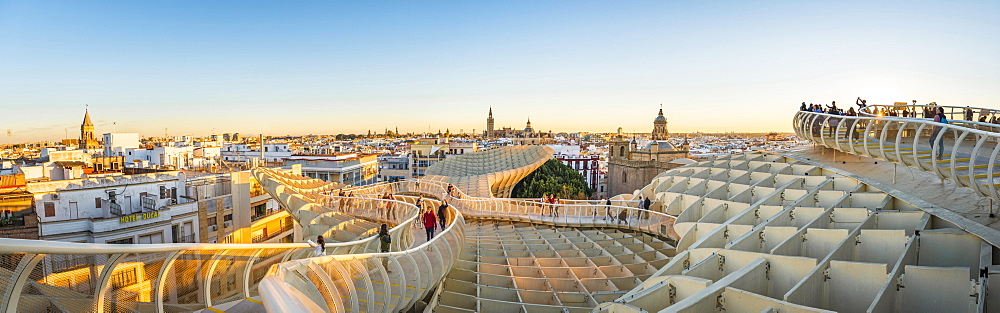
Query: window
(227, 217)
(50, 209)
(151, 238)
(97, 203)
(213, 220)
(621, 152)
(123, 241)
(624, 177)
(163, 192)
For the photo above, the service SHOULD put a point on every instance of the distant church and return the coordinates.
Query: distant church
(633, 163)
(87, 140)
(528, 136)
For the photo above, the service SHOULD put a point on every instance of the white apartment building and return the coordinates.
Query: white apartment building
(347, 168)
(276, 152)
(115, 209)
(115, 144)
(171, 157)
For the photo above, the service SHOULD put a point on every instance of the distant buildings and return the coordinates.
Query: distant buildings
(346, 168)
(633, 163)
(586, 165)
(275, 153)
(527, 136)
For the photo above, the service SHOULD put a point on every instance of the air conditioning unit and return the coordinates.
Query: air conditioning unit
(228, 224)
(213, 227)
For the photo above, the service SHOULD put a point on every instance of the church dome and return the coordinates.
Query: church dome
(660, 118)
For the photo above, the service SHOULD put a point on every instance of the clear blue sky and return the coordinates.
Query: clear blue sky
(325, 68)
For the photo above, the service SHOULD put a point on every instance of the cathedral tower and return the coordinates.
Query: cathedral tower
(489, 124)
(87, 139)
(660, 127)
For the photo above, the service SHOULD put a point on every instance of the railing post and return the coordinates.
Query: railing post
(168, 263)
(248, 270)
(105, 279)
(18, 279)
(209, 274)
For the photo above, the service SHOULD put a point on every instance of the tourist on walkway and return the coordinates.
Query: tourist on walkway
(937, 136)
(861, 103)
(642, 206)
(429, 224)
(319, 247)
(803, 107)
(384, 242)
(350, 201)
(555, 206)
(343, 201)
(968, 114)
(389, 213)
(607, 209)
(443, 214)
(645, 206)
(833, 107)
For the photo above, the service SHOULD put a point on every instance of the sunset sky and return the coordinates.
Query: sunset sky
(197, 67)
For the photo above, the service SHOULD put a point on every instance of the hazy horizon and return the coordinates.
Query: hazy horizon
(328, 68)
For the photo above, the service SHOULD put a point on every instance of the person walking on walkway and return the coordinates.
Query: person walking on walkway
(443, 214)
(555, 206)
(430, 222)
(385, 241)
(645, 207)
(968, 114)
(642, 205)
(343, 201)
(607, 209)
(937, 136)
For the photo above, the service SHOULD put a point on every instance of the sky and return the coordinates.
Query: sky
(296, 68)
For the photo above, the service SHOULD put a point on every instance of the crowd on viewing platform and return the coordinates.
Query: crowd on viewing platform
(901, 109)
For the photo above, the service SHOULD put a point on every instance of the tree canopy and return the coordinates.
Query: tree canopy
(553, 177)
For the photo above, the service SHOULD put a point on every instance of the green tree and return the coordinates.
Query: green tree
(553, 178)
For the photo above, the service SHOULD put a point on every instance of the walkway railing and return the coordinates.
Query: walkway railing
(967, 156)
(363, 282)
(81, 277)
(962, 116)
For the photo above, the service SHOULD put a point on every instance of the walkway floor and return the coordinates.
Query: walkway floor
(915, 182)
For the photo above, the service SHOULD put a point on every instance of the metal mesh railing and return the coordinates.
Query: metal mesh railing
(75, 277)
(962, 152)
(390, 282)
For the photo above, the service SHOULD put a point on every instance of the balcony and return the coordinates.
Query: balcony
(265, 214)
(272, 235)
(185, 239)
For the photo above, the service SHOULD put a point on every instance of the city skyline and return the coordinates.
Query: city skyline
(332, 68)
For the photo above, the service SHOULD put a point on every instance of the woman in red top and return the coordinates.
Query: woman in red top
(430, 222)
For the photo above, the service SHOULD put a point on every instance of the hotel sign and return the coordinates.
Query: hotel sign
(136, 217)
